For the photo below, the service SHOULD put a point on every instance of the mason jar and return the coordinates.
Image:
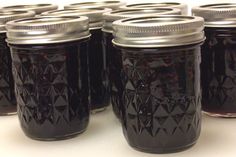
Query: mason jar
(37, 8)
(113, 56)
(218, 67)
(99, 91)
(114, 5)
(50, 70)
(181, 6)
(161, 105)
(7, 94)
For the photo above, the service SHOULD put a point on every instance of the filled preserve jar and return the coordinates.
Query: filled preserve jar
(181, 6)
(114, 5)
(7, 94)
(99, 91)
(218, 67)
(50, 70)
(161, 105)
(37, 8)
(113, 56)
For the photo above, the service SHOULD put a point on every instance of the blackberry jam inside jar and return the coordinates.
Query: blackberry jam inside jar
(218, 74)
(99, 88)
(181, 6)
(114, 5)
(161, 105)
(37, 8)
(50, 70)
(7, 94)
(113, 56)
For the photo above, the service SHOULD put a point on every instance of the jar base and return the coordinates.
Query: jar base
(222, 115)
(69, 136)
(8, 114)
(163, 150)
(94, 111)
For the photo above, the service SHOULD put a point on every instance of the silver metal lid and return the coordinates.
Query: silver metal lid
(217, 15)
(37, 8)
(114, 5)
(95, 15)
(130, 13)
(158, 31)
(183, 7)
(6, 16)
(47, 30)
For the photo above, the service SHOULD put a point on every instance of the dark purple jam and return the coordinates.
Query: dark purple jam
(51, 83)
(218, 72)
(161, 105)
(7, 94)
(99, 88)
(114, 67)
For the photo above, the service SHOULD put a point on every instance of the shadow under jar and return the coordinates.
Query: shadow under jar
(37, 8)
(7, 94)
(50, 70)
(161, 109)
(218, 67)
(113, 56)
(175, 5)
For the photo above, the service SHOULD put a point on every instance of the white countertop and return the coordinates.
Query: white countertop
(104, 138)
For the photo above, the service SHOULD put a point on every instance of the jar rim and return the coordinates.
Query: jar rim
(44, 30)
(10, 15)
(158, 31)
(37, 8)
(102, 4)
(217, 15)
(110, 17)
(95, 15)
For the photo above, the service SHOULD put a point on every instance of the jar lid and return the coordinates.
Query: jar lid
(7, 15)
(114, 5)
(47, 30)
(183, 7)
(217, 15)
(95, 15)
(37, 8)
(158, 31)
(129, 13)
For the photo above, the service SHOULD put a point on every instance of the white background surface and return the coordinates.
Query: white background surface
(104, 137)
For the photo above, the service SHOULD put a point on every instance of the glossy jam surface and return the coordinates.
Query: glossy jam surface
(51, 84)
(7, 94)
(161, 111)
(99, 87)
(218, 72)
(114, 67)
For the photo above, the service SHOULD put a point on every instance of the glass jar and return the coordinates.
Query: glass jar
(161, 105)
(50, 70)
(7, 94)
(181, 6)
(113, 56)
(99, 88)
(218, 74)
(37, 8)
(114, 5)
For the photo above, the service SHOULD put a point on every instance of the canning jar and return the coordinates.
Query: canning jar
(161, 105)
(113, 56)
(50, 70)
(7, 94)
(37, 8)
(218, 67)
(114, 5)
(181, 6)
(99, 91)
